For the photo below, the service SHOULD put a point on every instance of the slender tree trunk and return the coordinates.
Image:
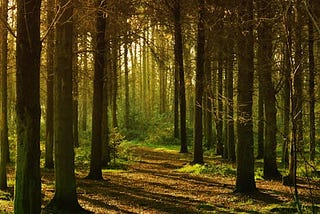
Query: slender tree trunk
(49, 107)
(84, 85)
(245, 182)
(230, 103)
(115, 44)
(178, 50)
(65, 197)
(312, 147)
(286, 90)
(260, 119)
(126, 85)
(296, 100)
(75, 94)
(4, 143)
(208, 109)
(176, 103)
(220, 106)
(96, 144)
(28, 185)
(197, 147)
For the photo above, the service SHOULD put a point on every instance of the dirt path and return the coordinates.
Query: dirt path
(152, 185)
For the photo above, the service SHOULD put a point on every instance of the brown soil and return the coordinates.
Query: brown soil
(152, 185)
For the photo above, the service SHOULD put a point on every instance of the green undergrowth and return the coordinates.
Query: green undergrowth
(290, 208)
(225, 170)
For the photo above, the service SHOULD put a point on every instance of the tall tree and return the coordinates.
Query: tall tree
(178, 53)
(4, 143)
(230, 103)
(296, 98)
(265, 60)
(27, 197)
(49, 106)
(96, 143)
(287, 83)
(126, 84)
(312, 147)
(245, 182)
(197, 132)
(65, 197)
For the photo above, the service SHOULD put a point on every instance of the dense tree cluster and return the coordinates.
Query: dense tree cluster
(236, 75)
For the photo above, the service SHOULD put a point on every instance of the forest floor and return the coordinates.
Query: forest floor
(153, 183)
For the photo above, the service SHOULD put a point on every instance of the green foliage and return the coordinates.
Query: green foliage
(156, 130)
(224, 170)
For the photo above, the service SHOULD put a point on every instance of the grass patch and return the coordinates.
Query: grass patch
(225, 170)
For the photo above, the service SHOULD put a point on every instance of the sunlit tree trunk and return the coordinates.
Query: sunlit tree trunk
(75, 93)
(245, 182)
(65, 197)
(133, 53)
(4, 143)
(27, 196)
(84, 99)
(126, 85)
(197, 132)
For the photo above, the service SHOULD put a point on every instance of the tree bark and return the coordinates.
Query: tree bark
(96, 144)
(28, 48)
(312, 146)
(265, 60)
(4, 142)
(197, 147)
(49, 105)
(65, 197)
(230, 103)
(126, 85)
(245, 182)
(178, 52)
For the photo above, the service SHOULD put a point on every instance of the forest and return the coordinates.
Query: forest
(159, 106)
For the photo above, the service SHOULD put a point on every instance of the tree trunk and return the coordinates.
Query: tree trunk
(178, 52)
(197, 147)
(28, 47)
(75, 94)
(4, 143)
(296, 100)
(260, 118)
(65, 197)
(208, 109)
(286, 90)
(126, 85)
(220, 106)
(114, 82)
(312, 146)
(96, 144)
(230, 106)
(245, 182)
(49, 107)
(84, 111)
(265, 60)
